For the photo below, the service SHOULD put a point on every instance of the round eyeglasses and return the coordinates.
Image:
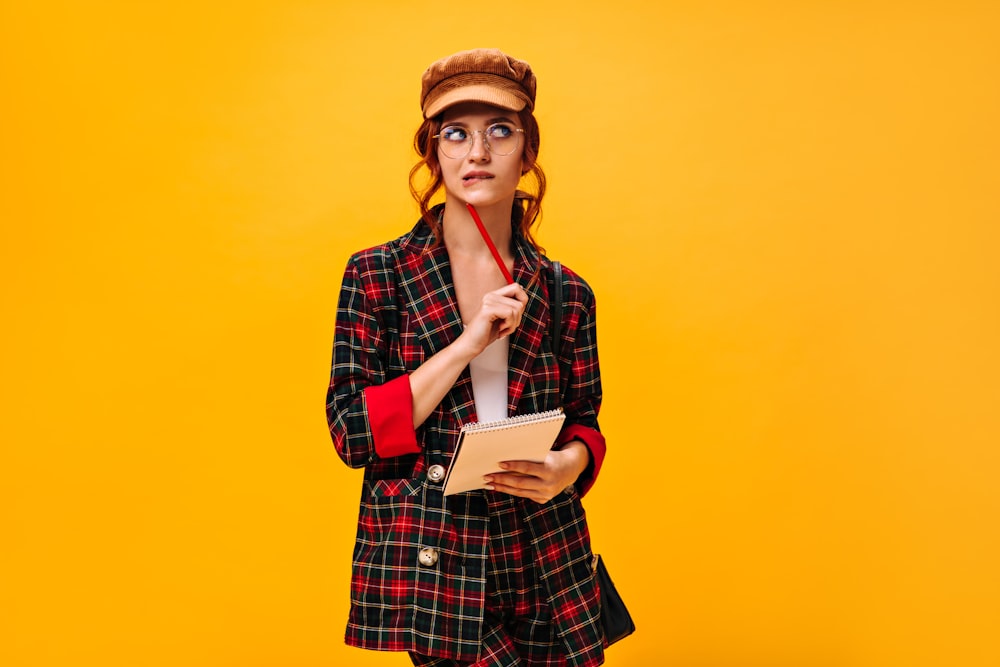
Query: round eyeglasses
(499, 139)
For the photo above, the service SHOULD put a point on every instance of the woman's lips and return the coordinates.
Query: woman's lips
(475, 177)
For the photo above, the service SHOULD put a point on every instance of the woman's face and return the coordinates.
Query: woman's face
(482, 177)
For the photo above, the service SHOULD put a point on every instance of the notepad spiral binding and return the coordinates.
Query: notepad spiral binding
(511, 422)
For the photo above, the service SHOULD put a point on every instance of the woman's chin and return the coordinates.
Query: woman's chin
(482, 200)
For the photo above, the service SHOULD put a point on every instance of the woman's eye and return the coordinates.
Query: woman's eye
(500, 131)
(455, 134)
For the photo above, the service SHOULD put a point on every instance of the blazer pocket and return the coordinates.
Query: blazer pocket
(380, 489)
(391, 512)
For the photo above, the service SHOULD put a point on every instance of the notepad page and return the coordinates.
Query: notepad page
(482, 447)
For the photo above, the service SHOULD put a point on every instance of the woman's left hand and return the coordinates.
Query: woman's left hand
(542, 482)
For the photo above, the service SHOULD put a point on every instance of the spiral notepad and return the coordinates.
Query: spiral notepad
(482, 446)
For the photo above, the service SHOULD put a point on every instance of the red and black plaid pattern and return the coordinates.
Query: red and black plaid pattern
(517, 624)
(397, 308)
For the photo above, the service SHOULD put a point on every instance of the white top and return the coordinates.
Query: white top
(489, 381)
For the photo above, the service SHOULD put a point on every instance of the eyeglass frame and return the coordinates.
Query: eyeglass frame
(471, 141)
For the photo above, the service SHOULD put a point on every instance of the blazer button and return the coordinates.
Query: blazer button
(435, 473)
(428, 557)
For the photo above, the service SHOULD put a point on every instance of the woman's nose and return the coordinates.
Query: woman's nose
(479, 151)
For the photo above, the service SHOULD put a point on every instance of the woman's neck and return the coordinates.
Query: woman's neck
(462, 235)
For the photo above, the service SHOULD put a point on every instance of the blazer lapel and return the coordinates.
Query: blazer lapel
(527, 340)
(425, 278)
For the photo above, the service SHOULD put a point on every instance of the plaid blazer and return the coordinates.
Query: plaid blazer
(396, 309)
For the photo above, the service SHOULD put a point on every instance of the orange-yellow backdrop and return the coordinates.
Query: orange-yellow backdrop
(788, 211)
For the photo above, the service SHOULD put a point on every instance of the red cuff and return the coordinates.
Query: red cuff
(594, 441)
(390, 415)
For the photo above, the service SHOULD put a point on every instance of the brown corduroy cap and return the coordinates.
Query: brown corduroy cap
(480, 75)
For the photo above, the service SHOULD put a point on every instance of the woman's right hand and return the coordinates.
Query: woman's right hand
(499, 315)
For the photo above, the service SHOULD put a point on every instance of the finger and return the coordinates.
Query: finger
(508, 314)
(512, 290)
(513, 322)
(508, 301)
(514, 480)
(537, 495)
(524, 467)
(502, 308)
(516, 312)
(504, 326)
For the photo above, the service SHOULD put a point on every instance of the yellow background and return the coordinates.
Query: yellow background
(788, 211)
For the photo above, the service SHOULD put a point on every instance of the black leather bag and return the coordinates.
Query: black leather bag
(615, 619)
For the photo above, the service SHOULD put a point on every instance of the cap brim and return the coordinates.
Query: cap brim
(487, 94)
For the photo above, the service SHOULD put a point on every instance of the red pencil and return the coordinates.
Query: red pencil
(489, 243)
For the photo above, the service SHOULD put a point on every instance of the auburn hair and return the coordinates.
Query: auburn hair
(527, 208)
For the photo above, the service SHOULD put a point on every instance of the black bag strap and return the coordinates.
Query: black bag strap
(557, 299)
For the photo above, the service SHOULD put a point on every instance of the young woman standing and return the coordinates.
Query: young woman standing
(430, 336)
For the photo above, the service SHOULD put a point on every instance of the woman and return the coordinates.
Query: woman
(430, 337)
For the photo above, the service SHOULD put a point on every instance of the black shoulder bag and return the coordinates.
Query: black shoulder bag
(615, 619)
